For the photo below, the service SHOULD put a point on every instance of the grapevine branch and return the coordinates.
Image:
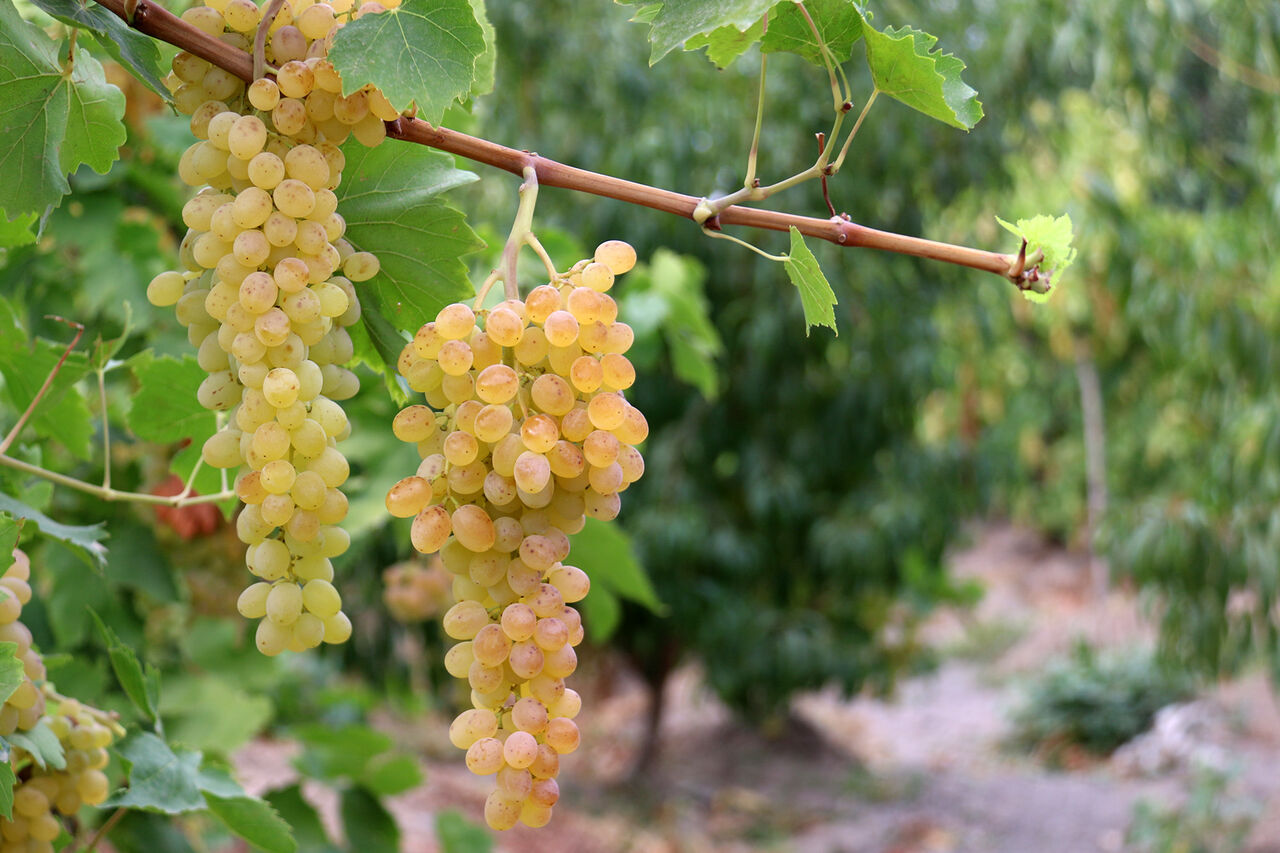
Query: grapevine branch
(154, 20)
(183, 498)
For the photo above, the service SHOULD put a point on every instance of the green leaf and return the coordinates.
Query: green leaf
(194, 709)
(680, 20)
(394, 775)
(486, 63)
(604, 552)
(423, 51)
(161, 779)
(11, 671)
(104, 351)
(18, 232)
(390, 199)
(727, 43)
(254, 821)
(905, 66)
(7, 781)
(143, 689)
(130, 48)
(456, 834)
(10, 528)
(25, 364)
(308, 831)
(217, 780)
(838, 22)
(52, 122)
(370, 828)
(334, 754)
(816, 295)
(1052, 236)
(95, 113)
(165, 408)
(42, 744)
(85, 541)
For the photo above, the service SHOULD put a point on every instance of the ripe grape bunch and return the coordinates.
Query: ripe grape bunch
(84, 734)
(527, 432)
(262, 297)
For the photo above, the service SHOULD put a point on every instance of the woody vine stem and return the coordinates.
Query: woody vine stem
(152, 19)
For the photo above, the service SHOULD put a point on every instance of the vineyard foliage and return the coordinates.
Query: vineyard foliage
(800, 490)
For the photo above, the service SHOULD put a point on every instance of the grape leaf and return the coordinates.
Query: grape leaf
(334, 754)
(369, 826)
(390, 199)
(10, 529)
(678, 21)
(604, 552)
(456, 834)
(308, 831)
(86, 541)
(25, 365)
(486, 63)
(18, 232)
(1051, 235)
(42, 744)
(194, 712)
(389, 775)
(7, 781)
(816, 296)
(52, 121)
(165, 408)
(130, 48)
(727, 43)
(142, 688)
(423, 51)
(161, 779)
(11, 671)
(838, 22)
(905, 66)
(253, 820)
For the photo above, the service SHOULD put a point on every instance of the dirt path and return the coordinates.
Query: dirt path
(924, 773)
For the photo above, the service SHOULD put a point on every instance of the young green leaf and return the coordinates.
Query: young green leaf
(11, 672)
(838, 22)
(130, 48)
(142, 688)
(456, 834)
(423, 51)
(62, 413)
(486, 63)
(7, 781)
(85, 541)
(678, 21)
(1052, 236)
(53, 122)
(18, 232)
(42, 745)
(165, 408)
(369, 826)
(905, 66)
(255, 821)
(308, 831)
(604, 552)
(161, 779)
(727, 43)
(10, 528)
(390, 197)
(816, 296)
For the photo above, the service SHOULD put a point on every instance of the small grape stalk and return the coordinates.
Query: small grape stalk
(263, 300)
(527, 431)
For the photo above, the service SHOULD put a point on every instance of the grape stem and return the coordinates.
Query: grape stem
(44, 389)
(260, 38)
(753, 152)
(184, 498)
(107, 825)
(521, 235)
(151, 18)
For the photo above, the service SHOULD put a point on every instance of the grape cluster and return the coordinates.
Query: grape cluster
(414, 592)
(266, 295)
(41, 790)
(527, 432)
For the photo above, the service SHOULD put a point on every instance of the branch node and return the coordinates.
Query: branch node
(131, 10)
(846, 106)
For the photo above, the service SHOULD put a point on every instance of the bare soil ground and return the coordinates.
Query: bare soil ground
(924, 772)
